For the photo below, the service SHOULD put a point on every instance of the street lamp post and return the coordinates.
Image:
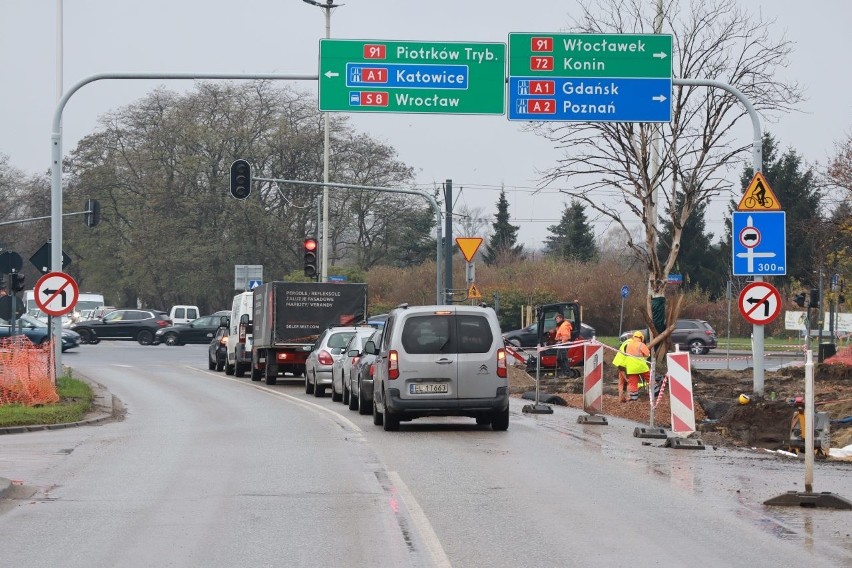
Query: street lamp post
(327, 6)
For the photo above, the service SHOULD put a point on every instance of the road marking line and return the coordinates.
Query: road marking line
(424, 527)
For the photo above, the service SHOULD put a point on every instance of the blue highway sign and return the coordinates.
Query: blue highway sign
(590, 99)
(759, 243)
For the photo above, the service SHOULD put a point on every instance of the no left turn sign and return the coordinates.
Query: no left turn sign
(56, 293)
(760, 303)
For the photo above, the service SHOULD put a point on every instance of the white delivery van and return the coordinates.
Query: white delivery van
(238, 359)
(184, 314)
(84, 309)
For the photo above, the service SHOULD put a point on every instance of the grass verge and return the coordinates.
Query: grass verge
(75, 400)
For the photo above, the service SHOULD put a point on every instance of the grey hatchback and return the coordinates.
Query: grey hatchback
(696, 335)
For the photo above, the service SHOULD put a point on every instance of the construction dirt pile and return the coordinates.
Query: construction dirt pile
(720, 419)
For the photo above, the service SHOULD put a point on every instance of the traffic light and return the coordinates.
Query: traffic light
(17, 282)
(310, 257)
(814, 303)
(240, 179)
(93, 212)
(800, 299)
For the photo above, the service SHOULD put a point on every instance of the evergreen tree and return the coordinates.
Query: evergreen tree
(573, 238)
(501, 246)
(699, 262)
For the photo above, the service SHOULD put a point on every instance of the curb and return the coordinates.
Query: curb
(104, 409)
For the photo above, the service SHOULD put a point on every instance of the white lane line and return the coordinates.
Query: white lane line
(424, 527)
(291, 398)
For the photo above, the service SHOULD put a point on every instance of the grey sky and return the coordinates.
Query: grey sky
(479, 153)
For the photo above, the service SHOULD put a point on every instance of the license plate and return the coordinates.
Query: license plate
(418, 388)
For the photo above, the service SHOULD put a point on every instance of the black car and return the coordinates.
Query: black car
(527, 337)
(217, 353)
(199, 331)
(140, 325)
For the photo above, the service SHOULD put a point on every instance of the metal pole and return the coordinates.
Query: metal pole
(448, 237)
(728, 293)
(56, 161)
(325, 155)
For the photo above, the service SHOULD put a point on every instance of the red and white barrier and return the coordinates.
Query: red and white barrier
(593, 378)
(680, 393)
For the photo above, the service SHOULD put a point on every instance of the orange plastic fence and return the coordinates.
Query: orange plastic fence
(26, 373)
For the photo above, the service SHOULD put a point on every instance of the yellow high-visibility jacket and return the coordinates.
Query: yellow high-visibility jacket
(637, 364)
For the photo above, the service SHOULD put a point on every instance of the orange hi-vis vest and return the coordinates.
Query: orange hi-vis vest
(636, 364)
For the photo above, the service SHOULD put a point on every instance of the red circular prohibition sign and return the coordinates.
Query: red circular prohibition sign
(760, 303)
(56, 293)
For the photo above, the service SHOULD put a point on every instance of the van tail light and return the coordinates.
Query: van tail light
(393, 365)
(325, 358)
(242, 334)
(355, 360)
(502, 370)
(372, 370)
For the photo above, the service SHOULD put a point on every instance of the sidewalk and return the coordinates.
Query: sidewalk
(102, 409)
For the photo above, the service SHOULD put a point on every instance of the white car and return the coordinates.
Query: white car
(326, 350)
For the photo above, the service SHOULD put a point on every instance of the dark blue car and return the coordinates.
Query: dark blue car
(38, 332)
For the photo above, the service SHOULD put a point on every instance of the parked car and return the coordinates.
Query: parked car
(361, 378)
(140, 325)
(527, 336)
(696, 335)
(441, 361)
(38, 332)
(328, 347)
(199, 331)
(217, 352)
(342, 367)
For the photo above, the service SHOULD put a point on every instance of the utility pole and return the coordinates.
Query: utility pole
(448, 242)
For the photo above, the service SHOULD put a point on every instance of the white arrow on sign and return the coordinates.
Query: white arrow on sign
(660, 55)
(331, 74)
(659, 98)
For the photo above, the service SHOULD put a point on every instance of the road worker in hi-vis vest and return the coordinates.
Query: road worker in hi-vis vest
(620, 363)
(636, 363)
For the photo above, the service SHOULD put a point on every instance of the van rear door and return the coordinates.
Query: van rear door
(477, 355)
(428, 364)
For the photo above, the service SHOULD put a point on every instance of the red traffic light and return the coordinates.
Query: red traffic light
(310, 244)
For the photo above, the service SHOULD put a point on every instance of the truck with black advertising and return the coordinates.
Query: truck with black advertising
(289, 317)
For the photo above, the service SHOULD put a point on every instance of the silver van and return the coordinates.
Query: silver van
(440, 361)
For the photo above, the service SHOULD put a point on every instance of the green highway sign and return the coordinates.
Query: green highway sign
(644, 56)
(590, 77)
(412, 77)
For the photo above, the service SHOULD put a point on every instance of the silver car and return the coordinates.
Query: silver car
(441, 361)
(328, 347)
(361, 379)
(343, 365)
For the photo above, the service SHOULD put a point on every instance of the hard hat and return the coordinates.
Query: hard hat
(639, 334)
(744, 399)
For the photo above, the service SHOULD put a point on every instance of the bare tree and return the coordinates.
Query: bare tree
(610, 165)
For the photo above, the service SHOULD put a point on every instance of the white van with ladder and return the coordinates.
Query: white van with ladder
(238, 358)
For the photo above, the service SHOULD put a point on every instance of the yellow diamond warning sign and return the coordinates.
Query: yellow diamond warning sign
(468, 246)
(759, 196)
(473, 293)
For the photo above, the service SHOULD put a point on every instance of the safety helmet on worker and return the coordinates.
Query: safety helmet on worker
(639, 334)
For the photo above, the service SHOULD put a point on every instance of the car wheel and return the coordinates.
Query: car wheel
(353, 400)
(239, 369)
(229, 369)
(220, 365)
(318, 390)
(86, 335)
(255, 371)
(145, 337)
(364, 406)
(696, 347)
(391, 421)
(378, 417)
(309, 388)
(171, 339)
(211, 364)
(346, 396)
(483, 420)
(335, 396)
(500, 421)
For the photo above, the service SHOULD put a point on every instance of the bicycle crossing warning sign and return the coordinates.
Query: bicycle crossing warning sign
(758, 196)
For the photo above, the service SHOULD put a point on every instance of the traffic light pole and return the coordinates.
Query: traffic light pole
(56, 159)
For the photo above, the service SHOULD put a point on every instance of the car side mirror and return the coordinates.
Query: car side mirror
(224, 321)
(353, 353)
(370, 348)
